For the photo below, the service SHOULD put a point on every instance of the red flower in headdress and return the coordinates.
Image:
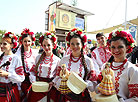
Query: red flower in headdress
(78, 32)
(125, 35)
(13, 38)
(27, 31)
(50, 36)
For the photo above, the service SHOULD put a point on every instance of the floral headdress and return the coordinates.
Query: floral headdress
(77, 32)
(13, 38)
(49, 35)
(27, 31)
(121, 33)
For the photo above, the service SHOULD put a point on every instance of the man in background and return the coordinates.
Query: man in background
(101, 54)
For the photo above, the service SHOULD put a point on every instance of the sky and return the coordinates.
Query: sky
(15, 15)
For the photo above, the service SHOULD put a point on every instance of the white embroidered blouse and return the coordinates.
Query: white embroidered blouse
(78, 68)
(15, 69)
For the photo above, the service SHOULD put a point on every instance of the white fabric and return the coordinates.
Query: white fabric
(29, 62)
(15, 64)
(99, 57)
(75, 68)
(44, 68)
(128, 76)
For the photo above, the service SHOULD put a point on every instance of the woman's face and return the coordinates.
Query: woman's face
(5, 46)
(27, 42)
(118, 50)
(76, 46)
(47, 46)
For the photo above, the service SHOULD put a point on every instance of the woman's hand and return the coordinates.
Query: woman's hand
(3, 73)
(50, 86)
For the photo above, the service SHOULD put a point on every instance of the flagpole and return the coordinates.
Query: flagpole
(126, 15)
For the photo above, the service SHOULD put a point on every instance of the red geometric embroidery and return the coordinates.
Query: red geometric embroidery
(133, 90)
(19, 70)
(93, 55)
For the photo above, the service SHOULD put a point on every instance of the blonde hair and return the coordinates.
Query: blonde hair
(7, 39)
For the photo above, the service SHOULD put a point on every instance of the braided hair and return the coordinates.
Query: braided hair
(22, 57)
(40, 59)
(84, 64)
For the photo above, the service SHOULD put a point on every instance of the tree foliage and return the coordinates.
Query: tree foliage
(37, 36)
(1, 33)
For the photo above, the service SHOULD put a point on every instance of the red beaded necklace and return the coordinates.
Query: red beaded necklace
(27, 55)
(46, 62)
(117, 77)
(48, 59)
(69, 64)
(72, 57)
(118, 67)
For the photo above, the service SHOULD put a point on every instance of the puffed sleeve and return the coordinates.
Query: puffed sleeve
(16, 76)
(133, 85)
(57, 79)
(32, 75)
(92, 77)
(95, 63)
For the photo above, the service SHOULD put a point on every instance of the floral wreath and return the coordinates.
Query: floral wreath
(77, 32)
(13, 38)
(121, 33)
(27, 31)
(50, 36)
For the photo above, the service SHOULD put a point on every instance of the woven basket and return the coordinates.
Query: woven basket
(40, 86)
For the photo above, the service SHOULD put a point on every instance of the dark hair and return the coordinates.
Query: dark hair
(119, 38)
(26, 35)
(77, 36)
(84, 64)
(115, 39)
(99, 34)
(22, 57)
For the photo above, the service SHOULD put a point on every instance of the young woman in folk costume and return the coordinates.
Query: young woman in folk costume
(126, 81)
(11, 70)
(27, 56)
(45, 68)
(79, 63)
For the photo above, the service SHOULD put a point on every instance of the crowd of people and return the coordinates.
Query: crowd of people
(21, 66)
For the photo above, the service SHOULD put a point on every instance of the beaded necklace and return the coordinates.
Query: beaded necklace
(75, 61)
(117, 78)
(46, 60)
(27, 55)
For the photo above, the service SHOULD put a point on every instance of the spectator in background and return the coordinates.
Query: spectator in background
(95, 46)
(134, 57)
(59, 51)
(100, 54)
